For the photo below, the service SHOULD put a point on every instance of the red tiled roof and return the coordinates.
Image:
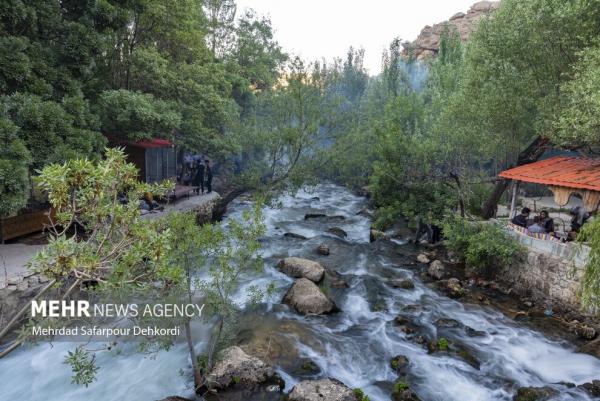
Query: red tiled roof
(145, 143)
(562, 171)
(152, 143)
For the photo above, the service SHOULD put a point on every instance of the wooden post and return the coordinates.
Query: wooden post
(513, 202)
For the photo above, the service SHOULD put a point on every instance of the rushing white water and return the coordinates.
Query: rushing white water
(354, 346)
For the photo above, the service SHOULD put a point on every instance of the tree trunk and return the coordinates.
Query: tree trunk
(221, 206)
(529, 155)
(198, 380)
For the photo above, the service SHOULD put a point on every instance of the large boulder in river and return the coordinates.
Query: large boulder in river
(534, 394)
(299, 267)
(307, 298)
(436, 269)
(321, 390)
(237, 367)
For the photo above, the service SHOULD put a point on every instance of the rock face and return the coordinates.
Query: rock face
(237, 367)
(298, 267)
(427, 43)
(436, 269)
(307, 298)
(321, 390)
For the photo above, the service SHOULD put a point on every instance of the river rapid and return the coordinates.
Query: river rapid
(497, 355)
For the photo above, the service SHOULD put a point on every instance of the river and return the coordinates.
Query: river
(354, 346)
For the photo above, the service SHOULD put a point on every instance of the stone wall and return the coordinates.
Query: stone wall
(548, 272)
(16, 290)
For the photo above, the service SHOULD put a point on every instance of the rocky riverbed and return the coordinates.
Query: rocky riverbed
(349, 318)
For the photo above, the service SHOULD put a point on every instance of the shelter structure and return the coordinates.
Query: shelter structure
(156, 159)
(564, 176)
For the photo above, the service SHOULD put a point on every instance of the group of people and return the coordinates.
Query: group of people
(202, 177)
(543, 223)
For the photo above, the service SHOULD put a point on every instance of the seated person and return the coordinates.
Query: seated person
(546, 221)
(580, 216)
(537, 226)
(521, 219)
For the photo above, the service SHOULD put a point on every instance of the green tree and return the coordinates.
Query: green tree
(14, 169)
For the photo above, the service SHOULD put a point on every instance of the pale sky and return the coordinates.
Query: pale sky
(314, 29)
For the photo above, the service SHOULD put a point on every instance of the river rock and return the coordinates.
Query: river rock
(334, 279)
(323, 249)
(375, 235)
(307, 367)
(403, 393)
(400, 364)
(294, 235)
(446, 322)
(307, 298)
(321, 390)
(534, 394)
(436, 269)
(308, 216)
(237, 367)
(422, 258)
(454, 289)
(299, 267)
(337, 232)
(586, 332)
(405, 284)
(175, 398)
(592, 388)
(592, 348)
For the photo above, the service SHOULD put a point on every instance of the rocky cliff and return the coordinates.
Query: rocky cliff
(428, 42)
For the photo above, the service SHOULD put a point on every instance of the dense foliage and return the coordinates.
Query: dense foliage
(480, 245)
(74, 73)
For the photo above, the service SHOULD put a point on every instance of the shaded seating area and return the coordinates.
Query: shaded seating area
(565, 177)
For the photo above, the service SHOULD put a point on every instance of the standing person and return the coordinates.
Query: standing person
(579, 217)
(199, 178)
(209, 176)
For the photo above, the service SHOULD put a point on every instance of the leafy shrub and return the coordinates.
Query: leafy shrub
(590, 294)
(360, 395)
(443, 344)
(480, 245)
(399, 387)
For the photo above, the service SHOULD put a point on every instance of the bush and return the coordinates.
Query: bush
(590, 294)
(480, 245)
